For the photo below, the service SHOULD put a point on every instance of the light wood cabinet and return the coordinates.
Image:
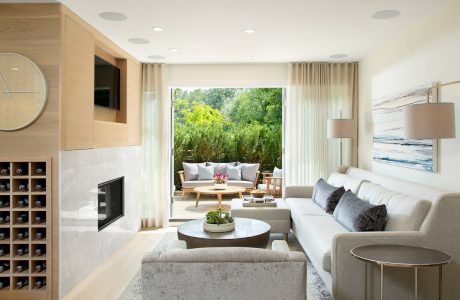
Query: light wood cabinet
(77, 104)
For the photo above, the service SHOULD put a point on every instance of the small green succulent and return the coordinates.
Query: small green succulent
(218, 217)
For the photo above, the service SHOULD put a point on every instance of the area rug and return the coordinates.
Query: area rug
(316, 290)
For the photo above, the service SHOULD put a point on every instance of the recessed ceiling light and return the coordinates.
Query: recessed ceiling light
(339, 55)
(248, 57)
(138, 41)
(113, 16)
(156, 57)
(173, 49)
(249, 30)
(157, 29)
(386, 14)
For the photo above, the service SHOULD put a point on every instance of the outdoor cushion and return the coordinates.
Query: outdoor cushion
(263, 186)
(205, 173)
(240, 183)
(249, 171)
(404, 212)
(234, 172)
(326, 195)
(278, 173)
(197, 183)
(191, 170)
(358, 215)
(220, 167)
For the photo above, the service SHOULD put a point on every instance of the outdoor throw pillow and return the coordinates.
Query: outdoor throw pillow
(356, 214)
(218, 167)
(249, 171)
(234, 173)
(205, 173)
(191, 170)
(326, 195)
(278, 173)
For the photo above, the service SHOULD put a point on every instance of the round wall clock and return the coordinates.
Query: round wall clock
(23, 92)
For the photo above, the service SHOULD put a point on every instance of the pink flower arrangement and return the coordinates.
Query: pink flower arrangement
(220, 178)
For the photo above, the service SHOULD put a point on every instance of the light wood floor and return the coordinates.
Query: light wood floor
(110, 279)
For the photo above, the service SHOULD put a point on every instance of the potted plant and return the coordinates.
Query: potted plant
(218, 221)
(220, 181)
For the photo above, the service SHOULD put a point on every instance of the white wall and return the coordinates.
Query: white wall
(228, 75)
(428, 52)
(82, 247)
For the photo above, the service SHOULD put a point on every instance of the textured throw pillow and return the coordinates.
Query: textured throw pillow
(191, 170)
(205, 173)
(356, 214)
(249, 171)
(234, 173)
(326, 195)
(218, 167)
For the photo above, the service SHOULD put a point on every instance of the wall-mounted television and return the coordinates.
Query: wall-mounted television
(106, 84)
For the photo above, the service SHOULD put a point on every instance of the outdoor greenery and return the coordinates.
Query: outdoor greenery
(227, 125)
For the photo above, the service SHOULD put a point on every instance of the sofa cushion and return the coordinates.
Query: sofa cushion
(234, 172)
(249, 171)
(348, 182)
(205, 172)
(278, 173)
(303, 206)
(319, 231)
(356, 214)
(404, 212)
(326, 195)
(191, 170)
(196, 183)
(220, 167)
(240, 183)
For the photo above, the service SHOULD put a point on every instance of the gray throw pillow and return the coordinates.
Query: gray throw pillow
(191, 170)
(356, 214)
(205, 173)
(326, 195)
(249, 172)
(218, 167)
(234, 173)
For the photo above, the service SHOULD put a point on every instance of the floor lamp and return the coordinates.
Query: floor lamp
(342, 129)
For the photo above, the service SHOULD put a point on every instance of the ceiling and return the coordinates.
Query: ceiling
(212, 31)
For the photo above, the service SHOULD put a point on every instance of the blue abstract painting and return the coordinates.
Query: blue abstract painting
(389, 145)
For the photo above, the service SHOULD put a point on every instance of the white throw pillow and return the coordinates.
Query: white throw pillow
(278, 173)
(234, 173)
(205, 173)
(249, 172)
(191, 170)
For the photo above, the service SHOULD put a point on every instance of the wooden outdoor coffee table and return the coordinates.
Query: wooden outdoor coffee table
(210, 190)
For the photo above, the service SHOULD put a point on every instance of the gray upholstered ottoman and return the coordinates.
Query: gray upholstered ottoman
(278, 217)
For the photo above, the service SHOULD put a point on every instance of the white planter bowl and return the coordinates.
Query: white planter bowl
(218, 227)
(220, 186)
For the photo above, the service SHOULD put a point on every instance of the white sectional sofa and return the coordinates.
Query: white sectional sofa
(417, 215)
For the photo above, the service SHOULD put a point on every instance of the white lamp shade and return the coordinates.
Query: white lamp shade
(429, 121)
(340, 128)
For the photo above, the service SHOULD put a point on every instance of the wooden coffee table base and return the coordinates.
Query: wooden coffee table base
(209, 190)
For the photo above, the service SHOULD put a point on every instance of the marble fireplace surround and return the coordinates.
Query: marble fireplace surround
(82, 247)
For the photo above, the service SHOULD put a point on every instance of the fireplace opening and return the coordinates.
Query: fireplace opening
(110, 201)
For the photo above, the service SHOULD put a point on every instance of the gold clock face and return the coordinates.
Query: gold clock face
(23, 92)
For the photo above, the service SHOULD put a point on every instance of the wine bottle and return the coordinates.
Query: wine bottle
(39, 203)
(4, 266)
(22, 266)
(23, 187)
(4, 250)
(22, 234)
(40, 235)
(38, 187)
(40, 282)
(4, 218)
(41, 266)
(23, 202)
(19, 171)
(4, 234)
(40, 219)
(22, 250)
(22, 218)
(41, 250)
(39, 171)
(4, 187)
(4, 282)
(4, 203)
(22, 282)
(4, 172)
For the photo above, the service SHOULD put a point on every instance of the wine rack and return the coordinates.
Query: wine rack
(25, 229)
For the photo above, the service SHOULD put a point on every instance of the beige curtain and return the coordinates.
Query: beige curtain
(317, 92)
(156, 128)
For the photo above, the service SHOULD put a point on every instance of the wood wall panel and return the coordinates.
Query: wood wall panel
(110, 134)
(133, 116)
(78, 87)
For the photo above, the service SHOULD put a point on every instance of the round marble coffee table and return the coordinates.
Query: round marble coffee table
(247, 233)
(210, 190)
(402, 256)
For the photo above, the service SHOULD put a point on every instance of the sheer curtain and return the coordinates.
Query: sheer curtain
(317, 92)
(156, 128)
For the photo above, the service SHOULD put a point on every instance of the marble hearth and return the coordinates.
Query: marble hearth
(82, 247)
